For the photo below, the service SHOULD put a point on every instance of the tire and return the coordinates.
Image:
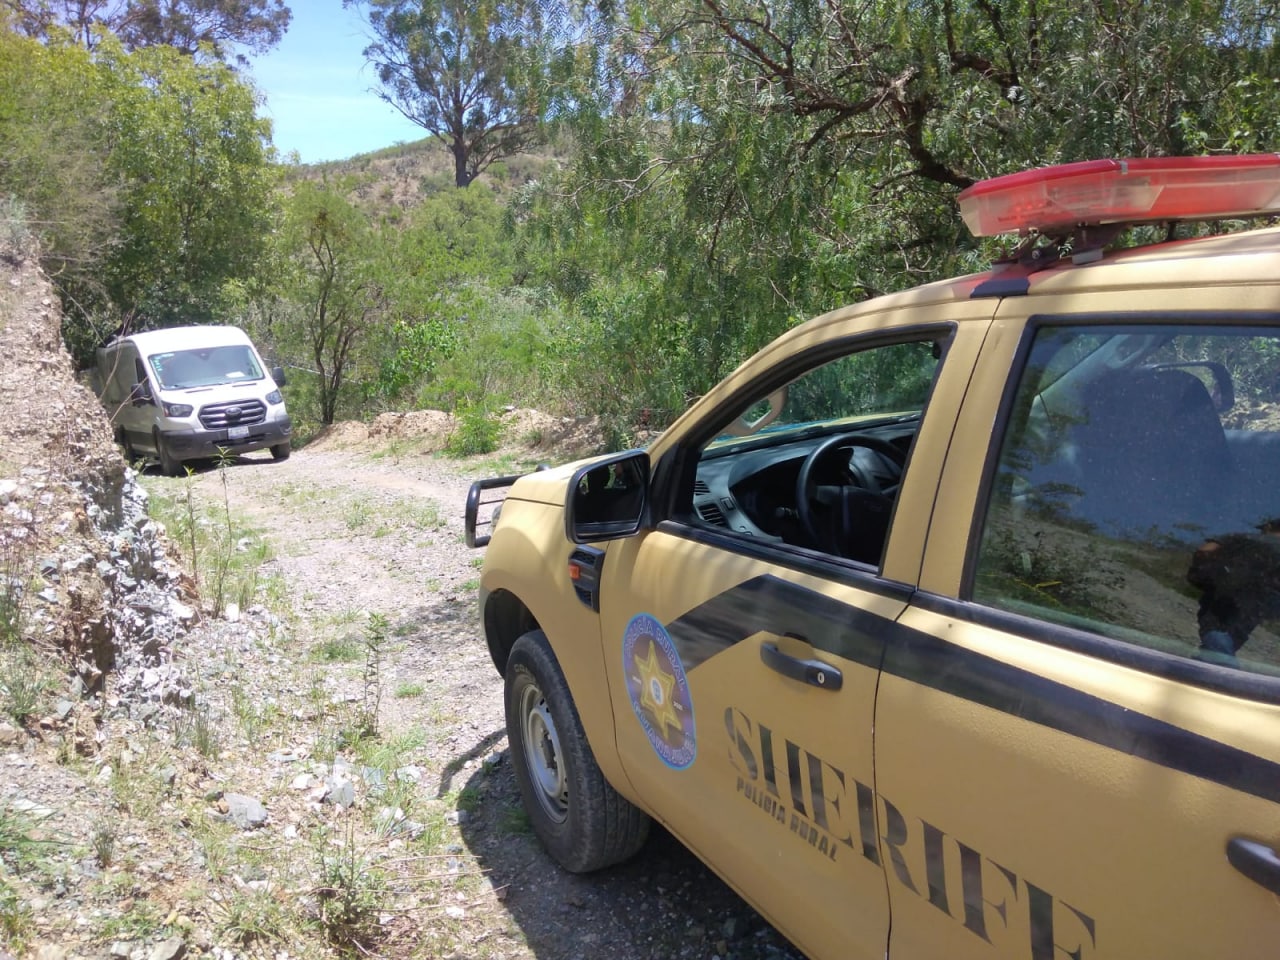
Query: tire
(582, 821)
(280, 451)
(169, 466)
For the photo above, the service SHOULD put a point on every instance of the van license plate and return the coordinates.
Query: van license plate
(237, 433)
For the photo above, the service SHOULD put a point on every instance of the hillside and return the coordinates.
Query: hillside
(398, 177)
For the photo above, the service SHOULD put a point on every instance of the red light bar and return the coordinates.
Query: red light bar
(1123, 191)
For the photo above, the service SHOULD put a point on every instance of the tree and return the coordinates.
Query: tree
(751, 163)
(460, 70)
(147, 175)
(332, 299)
(440, 272)
(54, 131)
(185, 25)
(193, 165)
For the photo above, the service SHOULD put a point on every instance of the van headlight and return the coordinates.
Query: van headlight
(177, 409)
(275, 397)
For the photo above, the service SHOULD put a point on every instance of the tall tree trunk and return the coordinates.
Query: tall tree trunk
(461, 177)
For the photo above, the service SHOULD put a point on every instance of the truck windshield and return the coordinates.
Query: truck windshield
(205, 366)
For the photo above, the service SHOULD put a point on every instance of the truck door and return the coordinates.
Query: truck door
(744, 634)
(1078, 722)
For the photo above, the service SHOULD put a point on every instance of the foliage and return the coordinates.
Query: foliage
(329, 294)
(192, 162)
(226, 554)
(26, 682)
(54, 111)
(146, 176)
(745, 164)
(350, 893)
(439, 272)
(477, 432)
(457, 68)
(15, 234)
(375, 638)
(13, 572)
(185, 25)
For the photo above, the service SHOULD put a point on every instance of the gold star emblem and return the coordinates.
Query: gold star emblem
(655, 691)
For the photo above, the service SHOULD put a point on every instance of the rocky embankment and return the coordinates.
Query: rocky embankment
(86, 581)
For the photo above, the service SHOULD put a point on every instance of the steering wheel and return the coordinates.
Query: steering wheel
(862, 497)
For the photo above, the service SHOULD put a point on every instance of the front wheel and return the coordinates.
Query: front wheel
(582, 821)
(280, 451)
(170, 466)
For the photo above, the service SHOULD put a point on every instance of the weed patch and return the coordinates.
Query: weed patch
(226, 554)
(26, 682)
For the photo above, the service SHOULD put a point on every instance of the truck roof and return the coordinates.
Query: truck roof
(186, 338)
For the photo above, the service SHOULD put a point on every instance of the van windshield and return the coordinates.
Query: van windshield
(205, 367)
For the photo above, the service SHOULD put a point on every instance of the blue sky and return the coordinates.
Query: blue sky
(319, 91)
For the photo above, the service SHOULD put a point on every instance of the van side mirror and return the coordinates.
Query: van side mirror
(277, 374)
(140, 394)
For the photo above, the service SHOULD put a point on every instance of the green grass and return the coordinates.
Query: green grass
(17, 923)
(396, 448)
(198, 728)
(21, 849)
(223, 550)
(339, 650)
(357, 514)
(383, 519)
(26, 682)
(406, 690)
(141, 921)
(468, 799)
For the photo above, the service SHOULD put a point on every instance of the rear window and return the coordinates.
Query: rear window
(1136, 493)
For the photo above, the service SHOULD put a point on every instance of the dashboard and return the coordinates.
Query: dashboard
(752, 487)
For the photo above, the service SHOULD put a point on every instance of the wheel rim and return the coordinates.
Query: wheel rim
(542, 754)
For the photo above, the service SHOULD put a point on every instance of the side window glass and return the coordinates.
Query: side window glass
(818, 462)
(1136, 494)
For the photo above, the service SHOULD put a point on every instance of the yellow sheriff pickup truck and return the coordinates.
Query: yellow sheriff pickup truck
(948, 625)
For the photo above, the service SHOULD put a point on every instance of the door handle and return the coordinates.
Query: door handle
(1255, 860)
(813, 672)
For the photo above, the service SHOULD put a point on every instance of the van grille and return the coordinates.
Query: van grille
(219, 416)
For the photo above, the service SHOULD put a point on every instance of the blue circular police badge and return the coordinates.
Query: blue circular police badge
(659, 691)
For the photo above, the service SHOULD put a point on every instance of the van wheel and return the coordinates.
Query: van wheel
(280, 451)
(169, 466)
(582, 821)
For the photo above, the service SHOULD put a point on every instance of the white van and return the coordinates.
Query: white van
(186, 393)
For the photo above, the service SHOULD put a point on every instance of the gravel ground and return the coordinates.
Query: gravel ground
(360, 534)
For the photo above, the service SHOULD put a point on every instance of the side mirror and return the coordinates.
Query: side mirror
(607, 499)
(140, 394)
(277, 374)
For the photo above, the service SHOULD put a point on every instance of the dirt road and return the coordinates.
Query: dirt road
(359, 534)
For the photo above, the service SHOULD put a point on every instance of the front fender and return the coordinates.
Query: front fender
(528, 559)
